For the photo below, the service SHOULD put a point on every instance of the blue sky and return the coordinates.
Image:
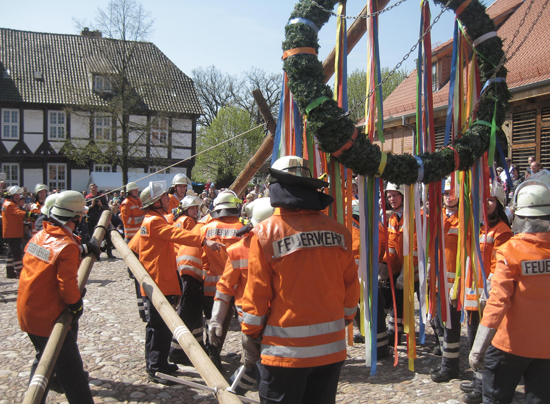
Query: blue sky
(233, 35)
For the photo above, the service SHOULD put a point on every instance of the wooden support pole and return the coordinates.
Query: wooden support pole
(354, 34)
(44, 370)
(187, 341)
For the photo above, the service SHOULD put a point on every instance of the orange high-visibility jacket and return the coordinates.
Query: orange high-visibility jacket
(189, 259)
(35, 208)
(12, 220)
(302, 287)
(394, 258)
(156, 250)
(48, 281)
(223, 230)
(235, 274)
(519, 302)
(131, 215)
(495, 237)
(450, 231)
(186, 223)
(173, 203)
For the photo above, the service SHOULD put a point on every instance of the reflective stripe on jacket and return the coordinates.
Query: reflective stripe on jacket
(519, 302)
(131, 215)
(48, 281)
(12, 219)
(394, 258)
(450, 231)
(186, 223)
(302, 286)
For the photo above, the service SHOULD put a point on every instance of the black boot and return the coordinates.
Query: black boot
(443, 376)
(467, 387)
(473, 397)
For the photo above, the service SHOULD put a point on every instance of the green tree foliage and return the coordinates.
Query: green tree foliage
(223, 164)
(357, 83)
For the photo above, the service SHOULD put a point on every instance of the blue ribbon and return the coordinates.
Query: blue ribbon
(449, 120)
(420, 169)
(309, 23)
(490, 81)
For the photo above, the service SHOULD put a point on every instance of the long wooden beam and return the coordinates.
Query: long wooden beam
(354, 33)
(47, 362)
(187, 341)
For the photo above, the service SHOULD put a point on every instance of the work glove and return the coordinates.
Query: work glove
(32, 216)
(88, 248)
(251, 351)
(215, 324)
(400, 281)
(76, 309)
(382, 274)
(484, 336)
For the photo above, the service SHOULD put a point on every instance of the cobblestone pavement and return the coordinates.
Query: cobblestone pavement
(111, 341)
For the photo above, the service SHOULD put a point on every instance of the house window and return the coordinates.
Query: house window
(434, 77)
(159, 131)
(154, 169)
(102, 128)
(57, 176)
(12, 173)
(102, 84)
(10, 124)
(103, 168)
(56, 125)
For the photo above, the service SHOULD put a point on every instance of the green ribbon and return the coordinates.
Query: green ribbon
(316, 103)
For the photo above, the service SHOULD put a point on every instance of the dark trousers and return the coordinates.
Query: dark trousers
(14, 262)
(190, 311)
(451, 340)
(503, 372)
(157, 339)
(68, 368)
(315, 385)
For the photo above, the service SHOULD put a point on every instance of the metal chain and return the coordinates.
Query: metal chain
(350, 17)
(398, 65)
(506, 58)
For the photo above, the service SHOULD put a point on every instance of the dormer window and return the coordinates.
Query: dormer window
(102, 84)
(435, 87)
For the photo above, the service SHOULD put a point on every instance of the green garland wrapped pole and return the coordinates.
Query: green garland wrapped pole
(333, 128)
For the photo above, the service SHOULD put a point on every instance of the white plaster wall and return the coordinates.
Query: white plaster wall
(157, 152)
(56, 146)
(33, 120)
(33, 141)
(180, 154)
(184, 125)
(79, 179)
(139, 122)
(182, 139)
(80, 125)
(32, 176)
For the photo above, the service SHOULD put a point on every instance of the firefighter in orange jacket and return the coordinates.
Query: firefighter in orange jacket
(302, 290)
(230, 287)
(156, 253)
(222, 227)
(495, 234)
(12, 230)
(178, 190)
(512, 339)
(48, 285)
(40, 194)
(449, 338)
(131, 213)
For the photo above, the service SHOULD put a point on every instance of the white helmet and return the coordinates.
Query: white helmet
(355, 207)
(261, 210)
(189, 201)
(226, 200)
(68, 205)
(393, 187)
(48, 203)
(40, 187)
(532, 199)
(131, 186)
(497, 191)
(293, 165)
(152, 193)
(448, 184)
(180, 179)
(14, 190)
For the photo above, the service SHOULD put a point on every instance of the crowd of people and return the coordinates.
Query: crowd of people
(291, 273)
